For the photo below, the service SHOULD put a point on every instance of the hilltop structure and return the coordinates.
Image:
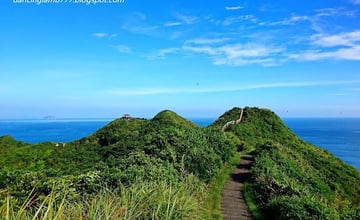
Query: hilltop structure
(126, 117)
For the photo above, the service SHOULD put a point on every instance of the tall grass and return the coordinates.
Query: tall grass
(143, 200)
(251, 203)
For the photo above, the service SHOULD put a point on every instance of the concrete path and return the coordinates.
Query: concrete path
(233, 205)
(233, 122)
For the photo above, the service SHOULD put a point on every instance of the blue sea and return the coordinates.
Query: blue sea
(341, 136)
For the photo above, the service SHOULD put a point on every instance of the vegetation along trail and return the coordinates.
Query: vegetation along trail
(233, 203)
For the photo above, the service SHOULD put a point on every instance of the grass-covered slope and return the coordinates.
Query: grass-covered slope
(257, 126)
(167, 148)
(57, 158)
(168, 117)
(293, 179)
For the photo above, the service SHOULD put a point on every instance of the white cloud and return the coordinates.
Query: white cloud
(162, 53)
(324, 12)
(318, 20)
(341, 46)
(234, 8)
(139, 15)
(104, 35)
(236, 19)
(235, 54)
(206, 41)
(341, 39)
(328, 12)
(100, 35)
(207, 50)
(181, 20)
(249, 50)
(290, 21)
(186, 19)
(171, 24)
(324, 18)
(159, 91)
(137, 23)
(352, 53)
(243, 61)
(122, 48)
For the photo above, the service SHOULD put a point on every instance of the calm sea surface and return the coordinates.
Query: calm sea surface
(341, 136)
(35, 131)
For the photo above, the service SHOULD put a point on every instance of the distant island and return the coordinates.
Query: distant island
(167, 168)
(49, 117)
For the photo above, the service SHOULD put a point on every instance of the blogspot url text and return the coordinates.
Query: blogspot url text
(85, 2)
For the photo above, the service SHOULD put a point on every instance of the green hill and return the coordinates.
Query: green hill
(291, 179)
(125, 151)
(257, 126)
(168, 117)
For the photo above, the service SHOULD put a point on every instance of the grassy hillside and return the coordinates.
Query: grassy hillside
(293, 179)
(167, 151)
(168, 117)
(137, 168)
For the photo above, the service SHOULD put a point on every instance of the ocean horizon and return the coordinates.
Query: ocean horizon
(340, 136)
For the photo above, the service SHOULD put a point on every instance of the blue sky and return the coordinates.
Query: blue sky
(198, 58)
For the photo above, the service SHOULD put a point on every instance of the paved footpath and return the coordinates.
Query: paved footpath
(233, 205)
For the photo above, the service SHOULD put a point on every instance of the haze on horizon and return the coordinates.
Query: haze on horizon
(198, 59)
